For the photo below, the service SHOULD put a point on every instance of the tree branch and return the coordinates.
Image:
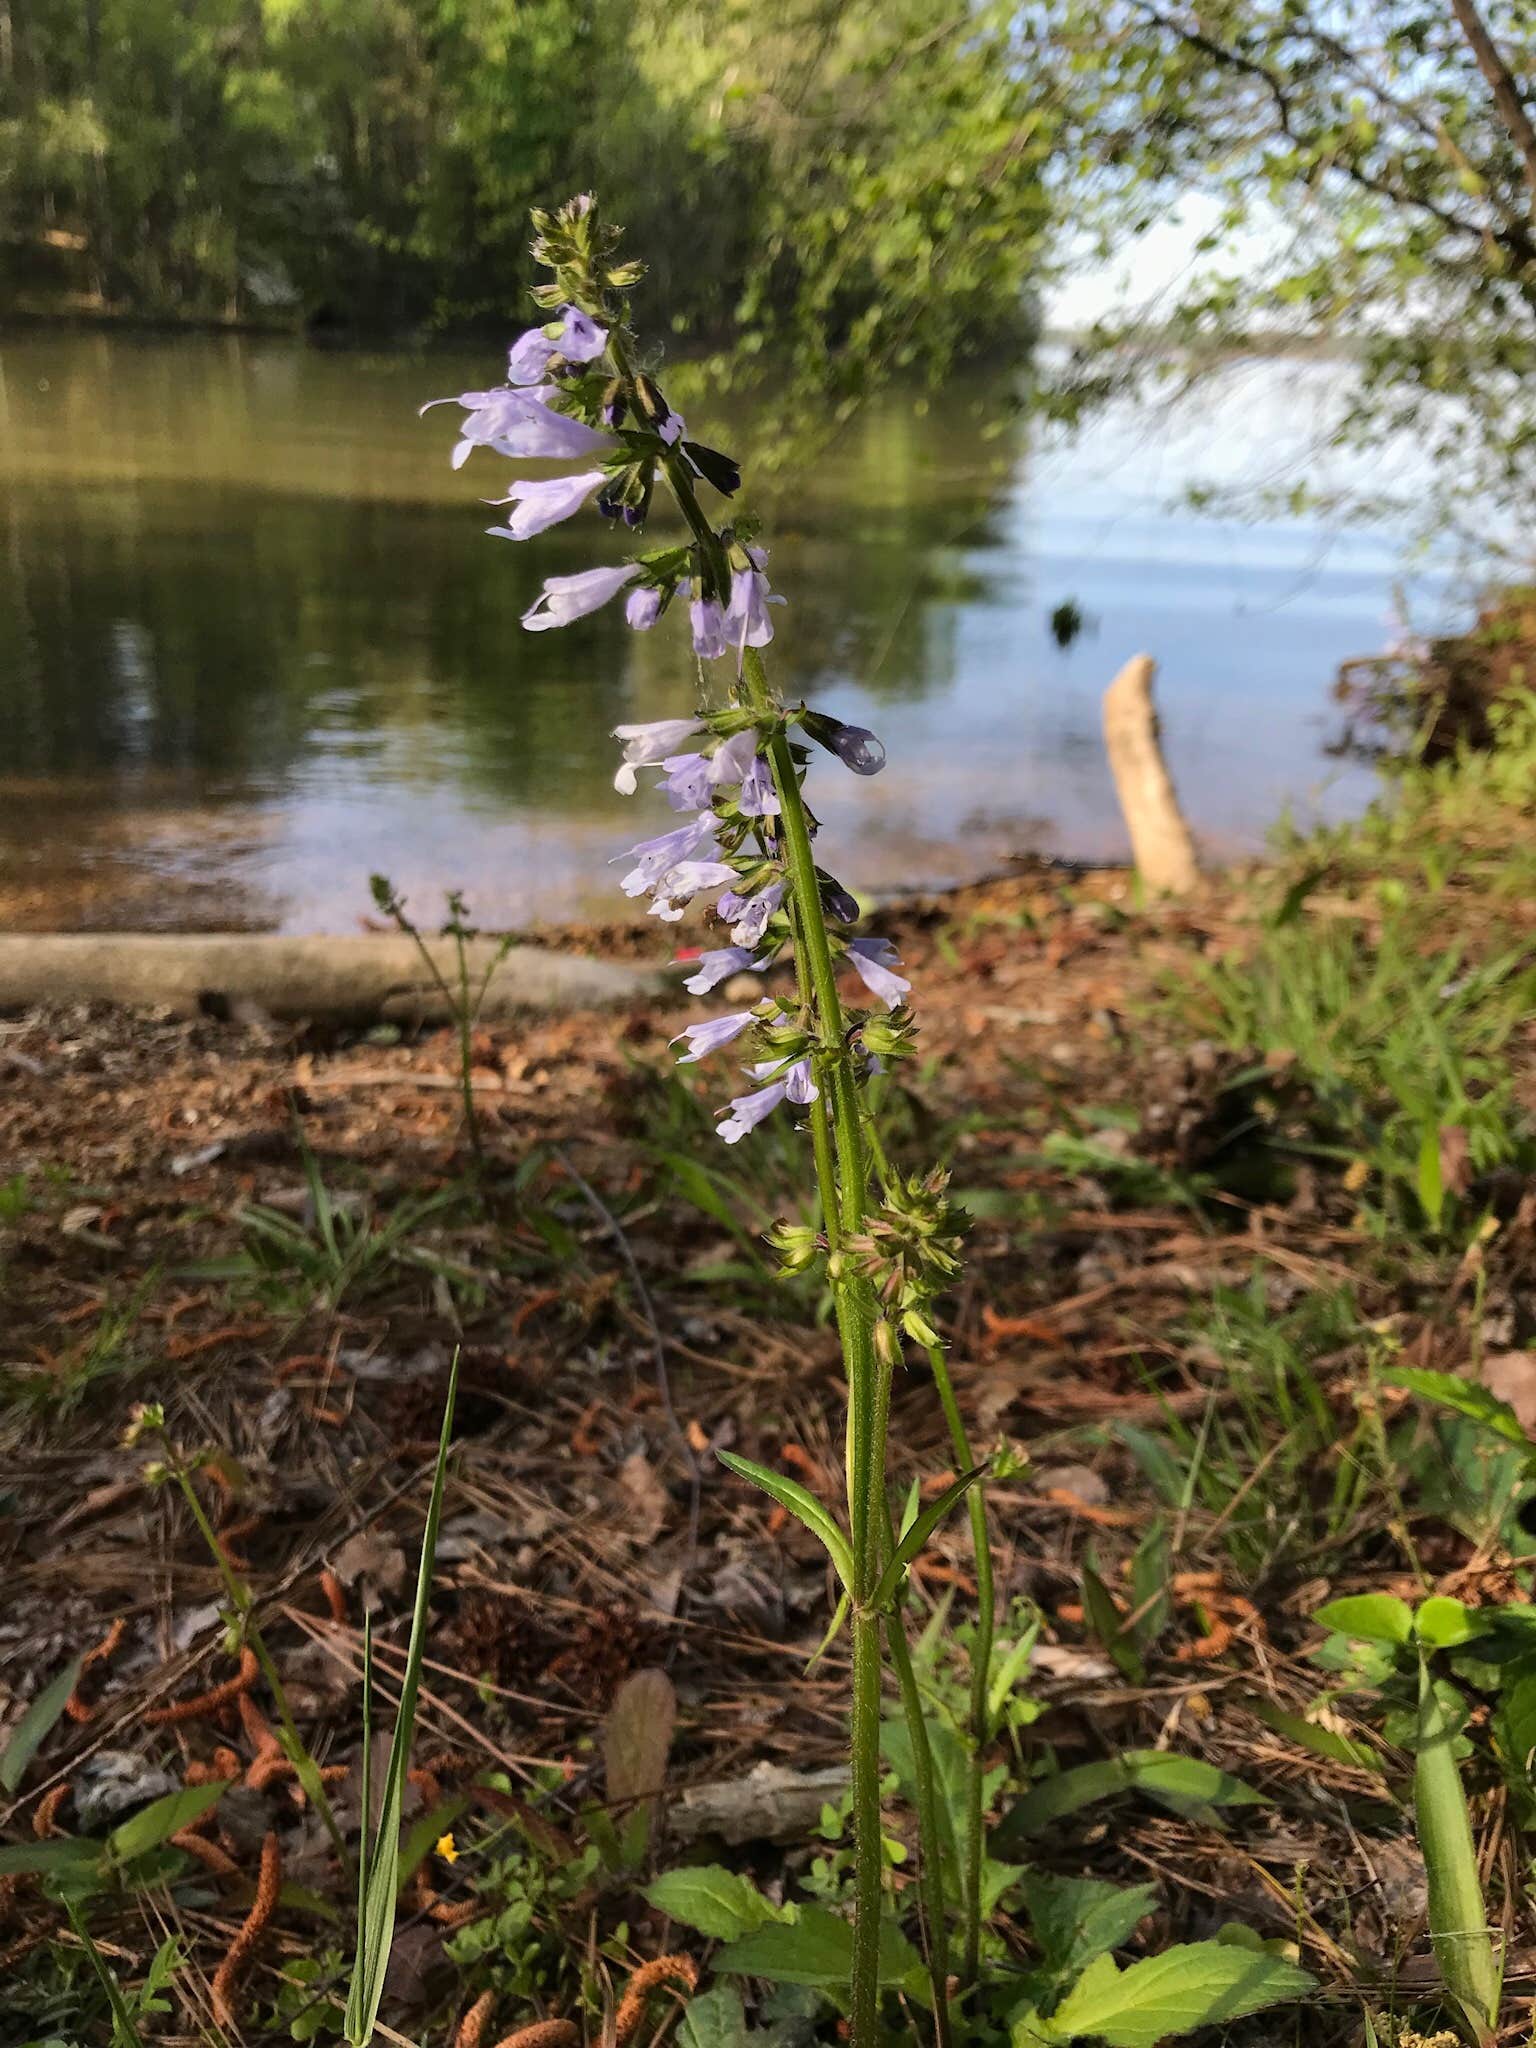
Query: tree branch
(1507, 97)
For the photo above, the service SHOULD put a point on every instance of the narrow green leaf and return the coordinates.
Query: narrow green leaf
(160, 1820)
(32, 1729)
(834, 1630)
(1448, 1390)
(801, 1503)
(1105, 1619)
(1369, 1617)
(1325, 1742)
(919, 1532)
(48, 1859)
(1195, 1984)
(1183, 1783)
(1430, 1180)
(380, 1868)
(124, 2033)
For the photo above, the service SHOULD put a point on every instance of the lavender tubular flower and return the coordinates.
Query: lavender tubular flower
(564, 598)
(653, 857)
(578, 338)
(872, 960)
(708, 623)
(748, 1111)
(719, 965)
(747, 622)
(642, 608)
(707, 1038)
(748, 915)
(544, 502)
(680, 884)
(647, 744)
(854, 745)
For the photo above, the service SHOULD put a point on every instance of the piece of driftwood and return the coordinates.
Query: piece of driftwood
(359, 979)
(1161, 844)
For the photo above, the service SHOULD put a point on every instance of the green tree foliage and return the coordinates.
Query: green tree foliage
(855, 179)
(1374, 165)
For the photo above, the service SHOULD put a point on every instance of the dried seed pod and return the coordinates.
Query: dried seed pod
(677, 1969)
(268, 1885)
(472, 2026)
(208, 1702)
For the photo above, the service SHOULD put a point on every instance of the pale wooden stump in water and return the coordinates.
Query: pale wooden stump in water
(1161, 844)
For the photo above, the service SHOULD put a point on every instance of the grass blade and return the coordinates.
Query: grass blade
(379, 1863)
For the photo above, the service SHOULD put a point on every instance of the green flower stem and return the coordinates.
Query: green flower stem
(981, 1665)
(867, 1404)
(843, 1173)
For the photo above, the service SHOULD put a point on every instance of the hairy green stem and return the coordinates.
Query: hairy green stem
(981, 1665)
(868, 1385)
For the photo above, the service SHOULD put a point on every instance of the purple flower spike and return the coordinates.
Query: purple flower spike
(642, 608)
(564, 598)
(707, 1038)
(544, 502)
(872, 960)
(708, 622)
(719, 965)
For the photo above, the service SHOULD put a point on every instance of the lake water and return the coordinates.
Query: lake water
(254, 645)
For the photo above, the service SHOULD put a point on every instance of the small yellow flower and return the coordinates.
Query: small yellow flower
(447, 1848)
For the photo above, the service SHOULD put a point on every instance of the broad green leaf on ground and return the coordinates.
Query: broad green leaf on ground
(1370, 1617)
(718, 1902)
(818, 1949)
(1444, 1623)
(1183, 1783)
(1197, 1984)
(51, 1859)
(715, 2020)
(32, 1729)
(1076, 1919)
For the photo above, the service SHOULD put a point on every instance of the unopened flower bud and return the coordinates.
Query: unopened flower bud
(854, 745)
(887, 1350)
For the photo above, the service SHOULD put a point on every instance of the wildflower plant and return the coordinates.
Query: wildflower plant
(733, 771)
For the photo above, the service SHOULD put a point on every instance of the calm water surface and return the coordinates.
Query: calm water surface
(253, 645)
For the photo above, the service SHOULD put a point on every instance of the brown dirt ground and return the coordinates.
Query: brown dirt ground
(570, 1560)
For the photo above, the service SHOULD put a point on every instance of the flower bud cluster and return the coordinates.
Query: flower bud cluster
(910, 1250)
